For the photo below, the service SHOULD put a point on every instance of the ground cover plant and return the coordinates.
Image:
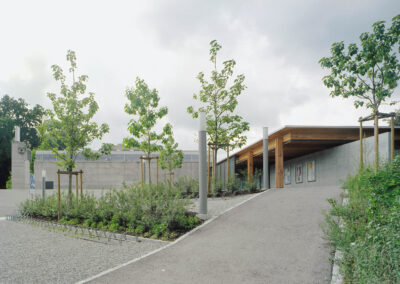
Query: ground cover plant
(149, 211)
(369, 233)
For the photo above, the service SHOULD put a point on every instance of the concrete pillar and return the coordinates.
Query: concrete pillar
(20, 165)
(265, 159)
(203, 165)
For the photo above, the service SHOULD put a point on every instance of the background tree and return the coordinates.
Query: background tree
(143, 103)
(367, 72)
(69, 123)
(170, 157)
(219, 101)
(16, 112)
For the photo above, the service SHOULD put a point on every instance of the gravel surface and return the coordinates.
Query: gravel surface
(31, 254)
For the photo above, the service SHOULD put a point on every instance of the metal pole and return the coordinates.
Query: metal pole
(392, 138)
(361, 146)
(208, 170)
(59, 195)
(43, 184)
(227, 165)
(203, 164)
(265, 159)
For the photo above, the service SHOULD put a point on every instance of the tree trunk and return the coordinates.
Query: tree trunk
(69, 186)
(376, 133)
(149, 169)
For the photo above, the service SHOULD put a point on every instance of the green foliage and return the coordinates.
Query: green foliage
(170, 157)
(369, 236)
(69, 123)
(9, 181)
(219, 103)
(70, 120)
(148, 211)
(143, 103)
(368, 72)
(188, 187)
(16, 112)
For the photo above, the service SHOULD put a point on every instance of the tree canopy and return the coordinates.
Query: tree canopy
(16, 112)
(70, 121)
(368, 71)
(170, 156)
(218, 99)
(143, 104)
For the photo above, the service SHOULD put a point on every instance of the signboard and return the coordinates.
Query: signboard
(311, 171)
(299, 173)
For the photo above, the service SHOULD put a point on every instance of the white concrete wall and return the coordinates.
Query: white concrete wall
(104, 174)
(334, 165)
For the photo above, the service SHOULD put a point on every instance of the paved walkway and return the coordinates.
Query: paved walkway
(273, 238)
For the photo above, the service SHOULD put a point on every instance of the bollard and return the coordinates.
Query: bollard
(203, 165)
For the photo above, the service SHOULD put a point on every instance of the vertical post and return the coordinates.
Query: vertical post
(173, 179)
(227, 165)
(208, 169)
(376, 133)
(141, 170)
(59, 194)
(43, 184)
(250, 166)
(392, 138)
(214, 171)
(165, 178)
(202, 164)
(265, 159)
(80, 173)
(17, 137)
(76, 186)
(157, 170)
(279, 162)
(361, 146)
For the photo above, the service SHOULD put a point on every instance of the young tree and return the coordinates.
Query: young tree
(367, 72)
(219, 101)
(16, 112)
(70, 123)
(143, 103)
(170, 157)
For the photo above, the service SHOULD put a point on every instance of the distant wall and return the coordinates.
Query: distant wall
(107, 173)
(333, 165)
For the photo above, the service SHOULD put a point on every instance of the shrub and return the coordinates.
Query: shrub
(369, 236)
(148, 210)
(189, 187)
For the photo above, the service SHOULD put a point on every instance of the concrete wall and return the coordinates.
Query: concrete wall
(221, 169)
(20, 165)
(335, 164)
(105, 174)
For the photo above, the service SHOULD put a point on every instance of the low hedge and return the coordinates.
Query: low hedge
(149, 211)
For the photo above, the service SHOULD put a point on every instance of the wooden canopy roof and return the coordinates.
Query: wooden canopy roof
(301, 140)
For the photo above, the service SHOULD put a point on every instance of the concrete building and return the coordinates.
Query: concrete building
(310, 155)
(112, 170)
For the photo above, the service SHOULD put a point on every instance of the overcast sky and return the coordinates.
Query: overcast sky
(276, 45)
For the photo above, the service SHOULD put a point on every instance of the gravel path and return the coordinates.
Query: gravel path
(31, 254)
